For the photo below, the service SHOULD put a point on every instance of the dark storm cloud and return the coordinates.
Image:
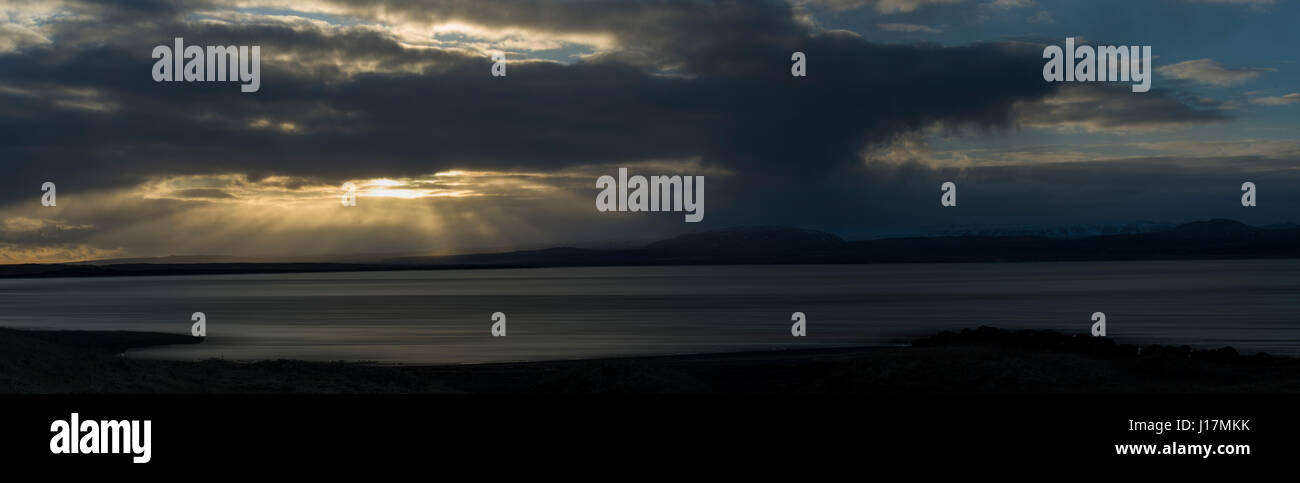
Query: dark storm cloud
(688, 79)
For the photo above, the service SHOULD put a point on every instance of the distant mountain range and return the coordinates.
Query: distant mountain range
(1058, 231)
(768, 245)
(1213, 239)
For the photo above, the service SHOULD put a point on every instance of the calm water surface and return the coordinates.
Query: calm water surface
(560, 313)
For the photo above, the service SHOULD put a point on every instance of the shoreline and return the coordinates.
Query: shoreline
(979, 361)
(83, 271)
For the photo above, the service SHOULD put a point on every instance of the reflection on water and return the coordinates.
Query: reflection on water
(559, 313)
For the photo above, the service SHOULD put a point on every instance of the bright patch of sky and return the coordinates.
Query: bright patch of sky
(565, 52)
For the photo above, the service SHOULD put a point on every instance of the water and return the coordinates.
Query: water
(563, 313)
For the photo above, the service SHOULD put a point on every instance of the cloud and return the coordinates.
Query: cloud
(1041, 16)
(1291, 98)
(347, 103)
(1098, 108)
(1216, 154)
(907, 27)
(1207, 71)
(1252, 3)
(15, 37)
(53, 253)
(880, 6)
(37, 226)
(449, 157)
(1009, 4)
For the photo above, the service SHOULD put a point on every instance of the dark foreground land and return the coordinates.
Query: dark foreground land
(980, 361)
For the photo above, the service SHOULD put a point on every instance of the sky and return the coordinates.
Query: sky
(398, 98)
